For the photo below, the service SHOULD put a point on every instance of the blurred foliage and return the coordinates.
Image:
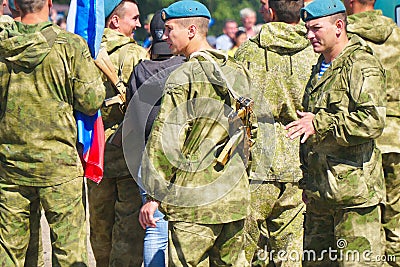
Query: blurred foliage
(221, 10)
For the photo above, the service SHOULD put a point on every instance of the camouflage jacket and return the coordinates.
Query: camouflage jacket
(341, 164)
(113, 41)
(279, 59)
(383, 35)
(46, 74)
(179, 165)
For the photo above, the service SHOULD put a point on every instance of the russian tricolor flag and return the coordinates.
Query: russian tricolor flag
(86, 18)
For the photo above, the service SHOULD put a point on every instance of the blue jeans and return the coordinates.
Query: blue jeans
(155, 240)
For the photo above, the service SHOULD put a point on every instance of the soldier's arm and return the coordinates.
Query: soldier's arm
(365, 117)
(87, 85)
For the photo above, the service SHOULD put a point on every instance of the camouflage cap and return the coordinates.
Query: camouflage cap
(109, 6)
(185, 9)
(321, 8)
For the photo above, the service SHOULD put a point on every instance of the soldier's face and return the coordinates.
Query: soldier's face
(265, 11)
(322, 34)
(130, 21)
(177, 36)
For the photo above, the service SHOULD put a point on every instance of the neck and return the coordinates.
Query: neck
(330, 55)
(197, 46)
(358, 8)
(37, 17)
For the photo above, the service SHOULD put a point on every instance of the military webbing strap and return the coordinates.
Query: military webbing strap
(218, 69)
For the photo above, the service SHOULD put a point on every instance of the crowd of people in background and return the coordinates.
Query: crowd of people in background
(321, 133)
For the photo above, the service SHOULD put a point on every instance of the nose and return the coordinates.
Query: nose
(310, 34)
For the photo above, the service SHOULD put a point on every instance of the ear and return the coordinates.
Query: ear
(49, 2)
(340, 26)
(272, 12)
(114, 22)
(192, 30)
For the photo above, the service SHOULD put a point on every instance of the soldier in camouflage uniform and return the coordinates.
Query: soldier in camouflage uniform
(279, 59)
(47, 73)
(344, 112)
(206, 212)
(34, 254)
(114, 204)
(383, 35)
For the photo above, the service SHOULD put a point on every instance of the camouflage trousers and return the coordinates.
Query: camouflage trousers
(274, 228)
(65, 213)
(204, 245)
(391, 211)
(115, 233)
(343, 237)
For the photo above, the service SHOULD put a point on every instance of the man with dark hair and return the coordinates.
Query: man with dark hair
(114, 204)
(279, 59)
(383, 35)
(204, 201)
(47, 74)
(344, 112)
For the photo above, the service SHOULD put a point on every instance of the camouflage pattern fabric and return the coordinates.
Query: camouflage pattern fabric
(65, 214)
(187, 135)
(391, 211)
(116, 235)
(37, 127)
(114, 203)
(345, 237)
(343, 177)
(204, 245)
(383, 35)
(47, 73)
(113, 41)
(341, 164)
(279, 59)
(275, 225)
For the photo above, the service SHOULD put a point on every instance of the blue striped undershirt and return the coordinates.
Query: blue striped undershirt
(324, 67)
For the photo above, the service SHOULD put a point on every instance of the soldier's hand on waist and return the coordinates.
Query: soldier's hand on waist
(303, 126)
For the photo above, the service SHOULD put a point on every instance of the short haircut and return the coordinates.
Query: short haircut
(121, 9)
(287, 10)
(229, 21)
(245, 12)
(30, 6)
(341, 16)
(366, 2)
(200, 22)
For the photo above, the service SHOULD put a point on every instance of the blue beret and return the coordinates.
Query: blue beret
(11, 4)
(109, 6)
(321, 8)
(185, 9)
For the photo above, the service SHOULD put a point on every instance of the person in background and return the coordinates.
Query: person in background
(240, 38)
(205, 228)
(383, 35)
(146, 25)
(114, 204)
(249, 19)
(343, 115)
(225, 40)
(279, 59)
(146, 86)
(38, 154)
(4, 18)
(62, 22)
